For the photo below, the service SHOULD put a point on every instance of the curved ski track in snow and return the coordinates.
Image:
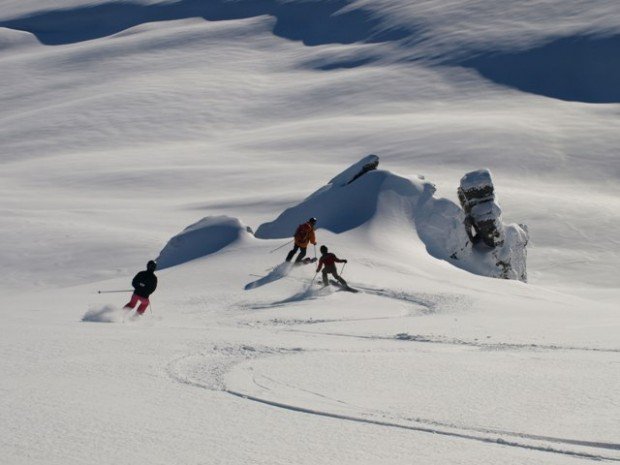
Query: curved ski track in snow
(191, 370)
(207, 370)
(458, 342)
(424, 305)
(465, 433)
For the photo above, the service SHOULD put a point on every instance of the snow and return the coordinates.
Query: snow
(478, 180)
(207, 236)
(117, 137)
(105, 314)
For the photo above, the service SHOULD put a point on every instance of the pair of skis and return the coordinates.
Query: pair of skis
(333, 282)
(342, 287)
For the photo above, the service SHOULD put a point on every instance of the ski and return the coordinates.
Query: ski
(306, 261)
(344, 288)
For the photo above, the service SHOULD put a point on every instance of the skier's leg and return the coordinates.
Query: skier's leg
(325, 280)
(144, 303)
(292, 253)
(339, 279)
(132, 303)
(301, 255)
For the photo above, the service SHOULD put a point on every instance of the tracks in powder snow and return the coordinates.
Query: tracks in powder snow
(422, 305)
(209, 369)
(499, 346)
(489, 437)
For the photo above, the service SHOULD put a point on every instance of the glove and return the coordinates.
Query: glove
(346, 261)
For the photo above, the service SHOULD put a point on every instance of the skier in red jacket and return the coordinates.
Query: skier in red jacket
(330, 260)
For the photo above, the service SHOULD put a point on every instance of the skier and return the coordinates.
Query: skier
(144, 284)
(303, 235)
(330, 260)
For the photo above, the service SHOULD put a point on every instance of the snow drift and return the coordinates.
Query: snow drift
(363, 195)
(344, 203)
(10, 38)
(207, 236)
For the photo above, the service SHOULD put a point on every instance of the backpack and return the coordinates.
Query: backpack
(302, 234)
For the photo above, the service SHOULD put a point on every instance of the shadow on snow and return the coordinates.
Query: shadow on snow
(577, 68)
(313, 23)
(580, 68)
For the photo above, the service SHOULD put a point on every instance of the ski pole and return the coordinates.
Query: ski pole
(284, 245)
(110, 292)
(342, 269)
(312, 282)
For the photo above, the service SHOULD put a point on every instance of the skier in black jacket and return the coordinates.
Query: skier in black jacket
(144, 284)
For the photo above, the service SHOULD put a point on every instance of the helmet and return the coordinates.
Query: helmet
(312, 220)
(151, 265)
(323, 249)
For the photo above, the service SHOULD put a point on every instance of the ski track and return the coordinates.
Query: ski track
(206, 370)
(602, 445)
(459, 342)
(424, 305)
(455, 434)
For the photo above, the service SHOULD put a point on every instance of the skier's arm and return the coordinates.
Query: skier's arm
(135, 283)
(336, 259)
(312, 237)
(318, 268)
(154, 285)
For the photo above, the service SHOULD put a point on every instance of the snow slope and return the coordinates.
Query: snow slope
(119, 130)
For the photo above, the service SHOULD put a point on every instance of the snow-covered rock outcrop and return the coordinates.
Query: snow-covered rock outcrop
(205, 237)
(362, 195)
(483, 224)
(483, 216)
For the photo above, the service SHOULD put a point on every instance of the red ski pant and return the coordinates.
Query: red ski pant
(144, 302)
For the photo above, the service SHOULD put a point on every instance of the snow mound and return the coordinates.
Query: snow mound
(105, 314)
(207, 236)
(10, 38)
(346, 202)
(396, 206)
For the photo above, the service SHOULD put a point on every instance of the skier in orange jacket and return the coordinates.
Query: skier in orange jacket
(303, 235)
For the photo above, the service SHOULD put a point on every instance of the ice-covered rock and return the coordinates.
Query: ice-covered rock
(483, 216)
(483, 224)
(205, 237)
(478, 186)
(366, 164)
(512, 255)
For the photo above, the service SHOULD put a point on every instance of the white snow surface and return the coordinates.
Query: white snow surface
(115, 138)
